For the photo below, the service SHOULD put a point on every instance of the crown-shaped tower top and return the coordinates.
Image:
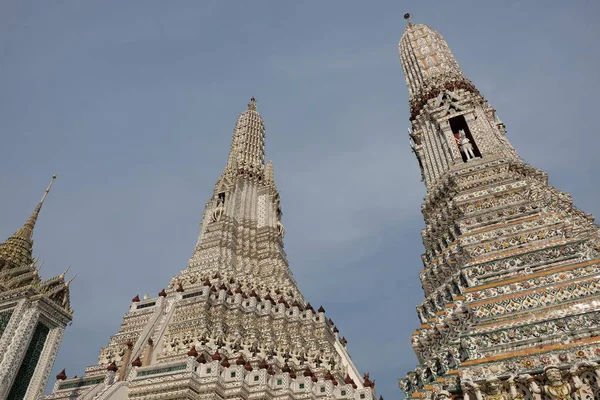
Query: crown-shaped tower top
(426, 58)
(248, 144)
(245, 204)
(452, 123)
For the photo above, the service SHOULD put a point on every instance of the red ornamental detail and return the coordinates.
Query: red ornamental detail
(135, 299)
(112, 367)
(180, 288)
(328, 376)
(61, 376)
(136, 363)
(367, 382)
(192, 352)
(350, 381)
(162, 293)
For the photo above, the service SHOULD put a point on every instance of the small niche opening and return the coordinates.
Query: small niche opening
(458, 124)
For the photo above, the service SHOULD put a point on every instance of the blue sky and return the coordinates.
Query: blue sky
(133, 105)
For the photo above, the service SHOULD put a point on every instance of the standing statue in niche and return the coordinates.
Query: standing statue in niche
(465, 146)
(219, 208)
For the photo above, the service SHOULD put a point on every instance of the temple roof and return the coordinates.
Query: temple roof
(18, 268)
(17, 249)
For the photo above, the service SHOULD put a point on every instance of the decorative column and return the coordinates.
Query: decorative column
(46, 362)
(16, 349)
(13, 323)
(447, 131)
(125, 362)
(147, 358)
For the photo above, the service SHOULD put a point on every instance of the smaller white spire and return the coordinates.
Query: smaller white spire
(269, 173)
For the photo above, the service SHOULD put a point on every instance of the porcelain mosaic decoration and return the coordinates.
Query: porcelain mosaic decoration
(510, 266)
(233, 324)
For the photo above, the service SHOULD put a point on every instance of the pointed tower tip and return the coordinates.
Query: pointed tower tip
(252, 104)
(26, 230)
(407, 17)
(19, 247)
(67, 283)
(62, 276)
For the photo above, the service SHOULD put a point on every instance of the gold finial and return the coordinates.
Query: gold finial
(67, 283)
(27, 230)
(47, 190)
(252, 104)
(62, 276)
(407, 18)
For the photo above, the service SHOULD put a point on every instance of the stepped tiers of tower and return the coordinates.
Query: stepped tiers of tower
(233, 324)
(33, 315)
(511, 267)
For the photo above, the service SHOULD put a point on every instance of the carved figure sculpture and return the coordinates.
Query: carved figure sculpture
(465, 145)
(219, 209)
(559, 389)
(582, 391)
(494, 391)
(443, 395)
(280, 229)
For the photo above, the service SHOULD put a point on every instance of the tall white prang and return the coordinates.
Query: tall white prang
(511, 268)
(233, 324)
